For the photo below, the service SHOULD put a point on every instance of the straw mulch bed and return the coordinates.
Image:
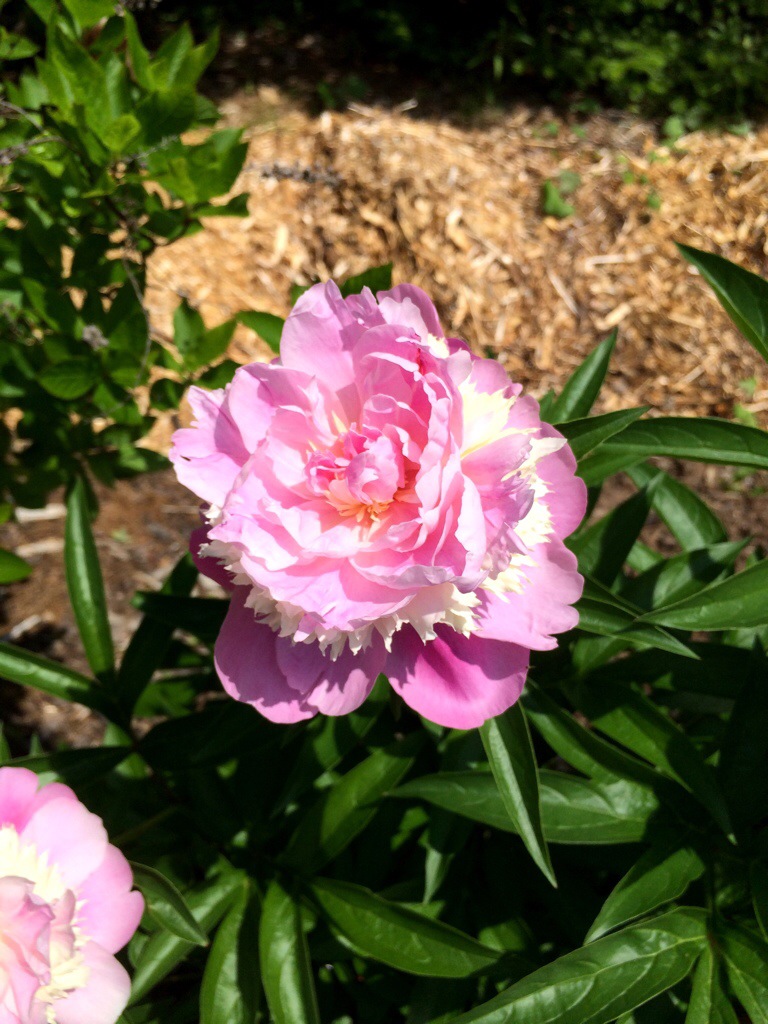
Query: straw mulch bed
(457, 209)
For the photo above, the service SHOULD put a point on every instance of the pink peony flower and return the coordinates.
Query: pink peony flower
(379, 499)
(65, 907)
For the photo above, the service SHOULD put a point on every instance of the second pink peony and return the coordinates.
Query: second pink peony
(380, 500)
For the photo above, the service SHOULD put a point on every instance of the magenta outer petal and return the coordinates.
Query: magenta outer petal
(208, 566)
(105, 996)
(567, 497)
(289, 681)
(345, 683)
(544, 606)
(246, 661)
(456, 681)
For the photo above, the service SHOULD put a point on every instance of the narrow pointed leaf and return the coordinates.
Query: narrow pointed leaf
(602, 548)
(85, 584)
(27, 669)
(742, 294)
(758, 884)
(633, 720)
(507, 742)
(268, 326)
(573, 810)
(662, 874)
(165, 951)
(682, 576)
(737, 602)
(583, 386)
(586, 434)
(746, 961)
(395, 935)
(12, 568)
(286, 969)
(343, 811)
(584, 749)
(692, 522)
(167, 905)
(611, 976)
(701, 439)
(709, 1001)
(231, 992)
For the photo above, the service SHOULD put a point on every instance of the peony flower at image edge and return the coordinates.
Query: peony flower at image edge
(66, 907)
(379, 499)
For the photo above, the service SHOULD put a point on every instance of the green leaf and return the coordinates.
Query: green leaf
(69, 379)
(507, 743)
(601, 612)
(167, 905)
(744, 748)
(327, 740)
(583, 386)
(26, 669)
(629, 718)
(603, 547)
(286, 969)
(737, 602)
(662, 874)
(151, 640)
(165, 951)
(746, 961)
(74, 767)
(743, 295)
(682, 576)
(343, 811)
(758, 884)
(397, 936)
(700, 439)
(378, 279)
(582, 748)
(573, 810)
(139, 57)
(552, 203)
(231, 992)
(709, 1002)
(203, 616)
(692, 523)
(268, 326)
(85, 583)
(591, 432)
(609, 977)
(89, 12)
(12, 568)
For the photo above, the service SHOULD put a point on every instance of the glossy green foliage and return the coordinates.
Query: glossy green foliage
(94, 177)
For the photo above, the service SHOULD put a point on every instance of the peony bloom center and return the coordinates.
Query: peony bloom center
(360, 475)
(40, 942)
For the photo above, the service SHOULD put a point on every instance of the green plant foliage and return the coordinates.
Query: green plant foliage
(94, 177)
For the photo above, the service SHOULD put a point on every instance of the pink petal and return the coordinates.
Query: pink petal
(567, 497)
(103, 998)
(246, 662)
(409, 306)
(454, 680)
(109, 913)
(208, 566)
(18, 787)
(345, 683)
(208, 455)
(543, 608)
(74, 839)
